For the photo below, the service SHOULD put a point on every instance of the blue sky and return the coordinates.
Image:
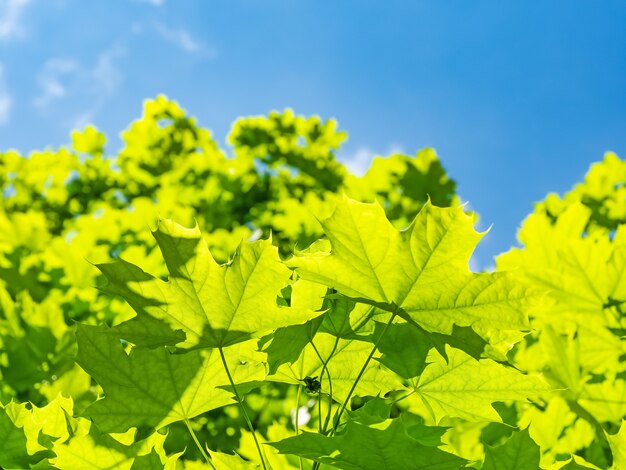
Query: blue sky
(518, 98)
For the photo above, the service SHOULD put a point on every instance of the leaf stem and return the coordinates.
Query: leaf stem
(403, 397)
(297, 423)
(195, 439)
(330, 384)
(362, 371)
(243, 408)
(584, 414)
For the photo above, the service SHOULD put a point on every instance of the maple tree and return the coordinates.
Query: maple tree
(277, 317)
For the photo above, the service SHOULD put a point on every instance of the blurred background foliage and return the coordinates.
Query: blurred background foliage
(64, 209)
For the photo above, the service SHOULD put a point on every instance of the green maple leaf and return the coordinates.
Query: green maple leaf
(153, 387)
(14, 452)
(223, 461)
(37, 335)
(94, 450)
(28, 433)
(464, 387)
(585, 278)
(346, 318)
(618, 446)
(606, 401)
(342, 318)
(404, 348)
(576, 462)
(584, 274)
(420, 273)
(213, 305)
(563, 359)
(153, 461)
(344, 367)
(385, 444)
(519, 452)
(286, 344)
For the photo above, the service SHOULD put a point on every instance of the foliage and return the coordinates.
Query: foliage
(297, 324)
(578, 256)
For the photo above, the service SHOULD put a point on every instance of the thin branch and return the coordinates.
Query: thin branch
(297, 423)
(322, 429)
(195, 439)
(367, 361)
(243, 408)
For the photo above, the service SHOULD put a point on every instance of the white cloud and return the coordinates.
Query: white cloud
(395, 148)
(183, 39)
(360, 161)
(66, 84)
(136, 28)
(178, 37)
(156, 3)
(51, 80)
(105, 79)
(10, 15)
(106, 76)
(5, 100)
(5, 108)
